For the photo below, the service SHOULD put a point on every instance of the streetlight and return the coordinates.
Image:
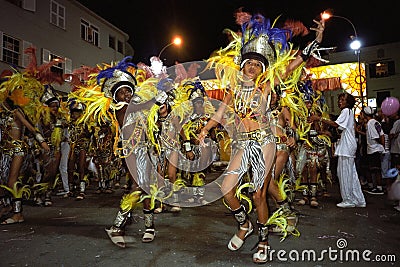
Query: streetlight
(355, 45)
(176, 41)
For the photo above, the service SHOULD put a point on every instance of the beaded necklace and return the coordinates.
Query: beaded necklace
(243, 100)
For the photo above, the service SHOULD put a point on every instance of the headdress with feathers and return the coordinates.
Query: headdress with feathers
(98, 93)
(196, 91)
(113, 78)
(258, 39)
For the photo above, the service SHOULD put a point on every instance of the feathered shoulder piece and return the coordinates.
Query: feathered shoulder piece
(79, 77)
(26, 88)
(25, 92)
(43, 72)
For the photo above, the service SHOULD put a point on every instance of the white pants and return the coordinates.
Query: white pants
(350, 187)
(64, 165)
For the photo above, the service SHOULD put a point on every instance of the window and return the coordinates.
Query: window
(380, 53)
(89, 33)
(381, 95)
(11, 50)
(64, 65)
(120, 47)
(25, 4)
(382, 69)
(57, 68)
(29, 5)
(57, 14)
(111, 41)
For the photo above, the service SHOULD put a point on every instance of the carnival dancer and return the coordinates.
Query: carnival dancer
(199, 156)
(79, 139)
(13, 123)
(20, 108)
(167, 157)
(102, 153)
(313, 157)
(263, 49)
(79, 134)
(51, 125)
(166, 132)
(108, 95)
(286, 137)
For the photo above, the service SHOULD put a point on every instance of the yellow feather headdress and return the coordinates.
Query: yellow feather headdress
(258, 40)
(26, 88)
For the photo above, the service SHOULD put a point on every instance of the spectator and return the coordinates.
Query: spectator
(350, 187)
(385, 158)
(375, 148)
(361, 155)
(395, 141)
(394, 153)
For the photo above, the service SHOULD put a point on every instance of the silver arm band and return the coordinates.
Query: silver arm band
(309, 49)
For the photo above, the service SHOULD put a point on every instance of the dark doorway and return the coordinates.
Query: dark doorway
(380, 96)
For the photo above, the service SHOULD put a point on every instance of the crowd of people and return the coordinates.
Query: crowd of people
(162, 132)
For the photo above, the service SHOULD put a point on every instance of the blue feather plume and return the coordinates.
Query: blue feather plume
(259, 25)
(123, 65)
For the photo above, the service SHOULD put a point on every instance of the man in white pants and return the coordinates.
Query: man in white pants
(350, 187)
(63, 168)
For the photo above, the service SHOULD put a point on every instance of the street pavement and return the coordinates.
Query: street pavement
(71, 233)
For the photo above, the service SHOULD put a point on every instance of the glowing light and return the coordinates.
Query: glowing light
(176, 41)
(325, 15)
(355, 44)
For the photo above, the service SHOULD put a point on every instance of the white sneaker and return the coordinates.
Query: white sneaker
(345, 205)
(397, 208)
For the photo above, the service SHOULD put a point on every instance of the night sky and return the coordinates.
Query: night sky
(152, 24)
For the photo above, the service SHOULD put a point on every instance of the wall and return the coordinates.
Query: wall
(35, 27)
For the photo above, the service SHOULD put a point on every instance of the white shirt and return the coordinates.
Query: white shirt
(347, 144)
(395, 142)
(374, 131)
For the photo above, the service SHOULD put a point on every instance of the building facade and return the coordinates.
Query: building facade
(382, 76)
(63, 29)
